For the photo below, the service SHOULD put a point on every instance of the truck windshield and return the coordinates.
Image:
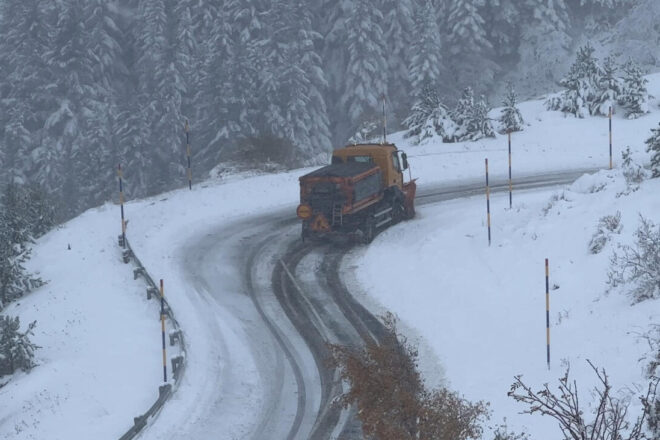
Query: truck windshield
(361, 159)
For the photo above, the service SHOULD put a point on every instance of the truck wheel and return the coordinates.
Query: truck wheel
(398, 212)
(369, 230)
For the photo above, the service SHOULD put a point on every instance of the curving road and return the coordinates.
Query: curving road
(286, 300)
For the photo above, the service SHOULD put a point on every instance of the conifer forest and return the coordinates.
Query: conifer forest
(88, 84)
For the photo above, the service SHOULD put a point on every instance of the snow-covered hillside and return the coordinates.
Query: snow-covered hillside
(477, 312)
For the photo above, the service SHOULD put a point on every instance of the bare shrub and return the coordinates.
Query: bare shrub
(502, 432)
(639, 265)
(553, 201)
(392, 401)
(610, 416)
(606, 226)
(652, 403)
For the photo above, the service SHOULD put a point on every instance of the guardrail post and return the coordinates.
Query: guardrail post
(137, 272)
(151, 291)
(175, 336)
(177, 363)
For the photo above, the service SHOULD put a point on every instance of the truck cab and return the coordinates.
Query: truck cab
(386, 156)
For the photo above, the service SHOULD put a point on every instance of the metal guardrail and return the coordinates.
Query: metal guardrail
(176, 336)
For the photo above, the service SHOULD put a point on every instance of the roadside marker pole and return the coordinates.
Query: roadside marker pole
(162, 325)
(610, 118)
(510, 184)
(488, 202)
(547, 311)
(187, 130)
(121, 204)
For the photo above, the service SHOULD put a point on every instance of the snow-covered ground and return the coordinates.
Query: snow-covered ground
(99, 337)
(477, 312)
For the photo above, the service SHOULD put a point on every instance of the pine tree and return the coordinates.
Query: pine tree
(503, 26)
(249, 30)
(16, 349)
(468, 45)
(162, 90)
(462, 113)
(81, 98)
(510, 119)
(471, 118)
(294, 81)
(215, 93)
(609, 88)
(426, 49)
(399, 34)
(39, 210)
(653, 147)
(551, 14)
(429, 117)
(480, 125)
(365, 79)
(26, 95)
(581, 83)
(634, 95)
(15, 240)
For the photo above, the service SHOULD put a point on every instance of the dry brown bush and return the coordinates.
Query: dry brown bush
(390, 396)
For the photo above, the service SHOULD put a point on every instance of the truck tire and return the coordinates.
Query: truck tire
(398, 212)
(368, 230)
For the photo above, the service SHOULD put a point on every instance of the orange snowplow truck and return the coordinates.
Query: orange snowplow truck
(359, 193)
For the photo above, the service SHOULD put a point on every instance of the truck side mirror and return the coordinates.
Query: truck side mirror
(404, 159)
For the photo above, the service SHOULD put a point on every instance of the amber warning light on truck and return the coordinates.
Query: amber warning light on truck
(304, 211)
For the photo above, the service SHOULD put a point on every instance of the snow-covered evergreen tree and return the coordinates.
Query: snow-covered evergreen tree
(429, 117)
(39, 210)
(81, 99)
(294, 81)
(16, 349)
(468, 45)
(581, 83)
(365, 79)
(609, 88)
(634, 95)
(480, 125)
(462, 113)
(471, 118)
(545, 44)
(426, 49)
(398, 33)
(510, 119)
(503, 26)
(26, 95)
(552, 14)
(162, 90)
(653, 147)
(15, 240)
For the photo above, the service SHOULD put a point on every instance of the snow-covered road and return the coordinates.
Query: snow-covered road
(256, 287)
